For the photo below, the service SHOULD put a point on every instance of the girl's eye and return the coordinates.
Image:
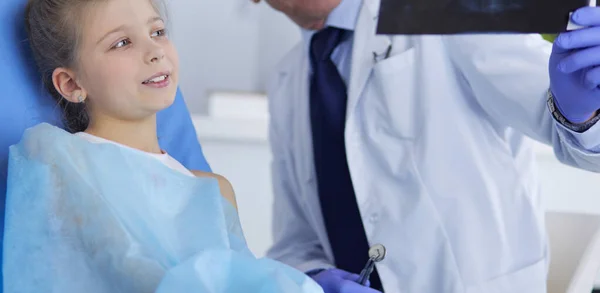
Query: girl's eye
(159, 33)
(122, 43)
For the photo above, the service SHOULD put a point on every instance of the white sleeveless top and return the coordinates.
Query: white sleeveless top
(164, 157)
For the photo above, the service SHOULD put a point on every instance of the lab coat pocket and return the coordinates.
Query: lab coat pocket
(530, 279)
(394, 84)
(395, 64)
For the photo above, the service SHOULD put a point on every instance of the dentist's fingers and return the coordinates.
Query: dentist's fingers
(355, 278)
(591, 78)
(587, 16)
(586, 58)
(344, 274)
(353, 287)
(578, 39)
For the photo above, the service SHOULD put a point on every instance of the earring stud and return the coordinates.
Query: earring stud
(80, 99)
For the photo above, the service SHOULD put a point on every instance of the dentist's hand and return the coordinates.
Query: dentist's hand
(339, 281)
(574, 67)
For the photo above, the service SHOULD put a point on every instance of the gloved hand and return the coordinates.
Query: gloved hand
(339, 281)
(574, 71)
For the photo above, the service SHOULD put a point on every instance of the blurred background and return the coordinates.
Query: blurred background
(227, 49)
(227, 46)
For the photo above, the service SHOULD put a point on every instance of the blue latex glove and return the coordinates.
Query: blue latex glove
(574, 71)
(339, 281)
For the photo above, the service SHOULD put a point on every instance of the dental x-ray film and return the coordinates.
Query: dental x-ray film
(475, 16)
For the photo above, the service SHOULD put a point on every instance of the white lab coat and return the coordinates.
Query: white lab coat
(443, 172)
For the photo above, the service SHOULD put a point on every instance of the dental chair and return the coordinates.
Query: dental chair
(24, 103)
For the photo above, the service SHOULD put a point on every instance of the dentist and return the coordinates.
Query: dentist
(422, 143)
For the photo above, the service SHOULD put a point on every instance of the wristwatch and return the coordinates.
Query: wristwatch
(577, 127)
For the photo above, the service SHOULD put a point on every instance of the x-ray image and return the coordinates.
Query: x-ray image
(475, 16)
(491, 6)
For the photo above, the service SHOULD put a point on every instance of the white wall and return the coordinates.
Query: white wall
(226, 45)
(567, 188)
(277, 36)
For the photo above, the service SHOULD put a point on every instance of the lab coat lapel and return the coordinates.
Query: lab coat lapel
(366, 42)
(304, 135)
(303, 139)
(293, 84)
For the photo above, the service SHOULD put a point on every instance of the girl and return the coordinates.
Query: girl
(101, 208)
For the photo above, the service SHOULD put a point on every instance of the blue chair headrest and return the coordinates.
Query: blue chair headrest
(24, 101)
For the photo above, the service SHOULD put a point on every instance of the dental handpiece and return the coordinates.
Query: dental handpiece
(376, 254)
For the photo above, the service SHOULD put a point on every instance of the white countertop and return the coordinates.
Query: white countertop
(234, 129)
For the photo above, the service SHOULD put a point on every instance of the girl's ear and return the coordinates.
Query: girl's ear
(65, 83)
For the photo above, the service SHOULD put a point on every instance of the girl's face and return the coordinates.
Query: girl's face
(127, 66)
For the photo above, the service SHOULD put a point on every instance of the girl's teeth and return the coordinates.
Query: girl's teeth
(157, 79)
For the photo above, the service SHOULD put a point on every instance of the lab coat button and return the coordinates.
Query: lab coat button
(374, 218)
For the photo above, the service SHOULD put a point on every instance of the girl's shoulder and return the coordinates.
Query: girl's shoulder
(224, 185)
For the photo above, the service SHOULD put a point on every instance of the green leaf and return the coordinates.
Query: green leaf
(549, 37)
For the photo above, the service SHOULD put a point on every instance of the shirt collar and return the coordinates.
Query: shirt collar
(344, 16)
